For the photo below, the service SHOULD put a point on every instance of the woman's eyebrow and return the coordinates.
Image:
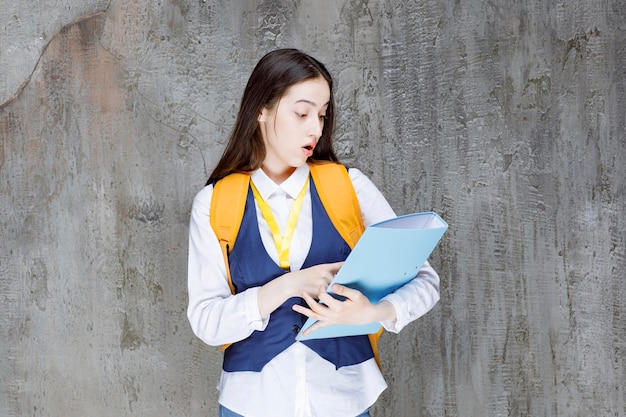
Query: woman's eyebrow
(312, 103)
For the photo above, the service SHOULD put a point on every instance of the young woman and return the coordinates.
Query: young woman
(285, 255)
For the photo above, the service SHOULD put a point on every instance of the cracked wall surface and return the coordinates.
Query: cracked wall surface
(506, 118)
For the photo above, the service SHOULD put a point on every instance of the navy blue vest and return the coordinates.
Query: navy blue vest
(251, 266)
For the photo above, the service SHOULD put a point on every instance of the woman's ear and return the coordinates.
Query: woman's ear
(263, 115)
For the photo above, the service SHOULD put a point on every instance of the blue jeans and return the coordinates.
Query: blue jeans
(225, 412)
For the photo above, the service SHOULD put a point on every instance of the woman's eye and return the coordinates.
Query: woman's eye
(322, 117)
(300, 115)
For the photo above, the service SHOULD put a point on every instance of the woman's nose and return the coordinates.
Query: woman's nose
(317, 126)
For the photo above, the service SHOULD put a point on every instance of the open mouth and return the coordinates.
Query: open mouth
(308, 149)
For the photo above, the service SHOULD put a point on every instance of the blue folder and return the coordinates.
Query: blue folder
(388, 255)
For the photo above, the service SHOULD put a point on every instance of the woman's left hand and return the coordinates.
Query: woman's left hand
(355, 309)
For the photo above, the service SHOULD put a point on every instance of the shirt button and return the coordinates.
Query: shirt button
(295, 328)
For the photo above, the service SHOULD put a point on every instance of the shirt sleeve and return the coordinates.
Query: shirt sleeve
(418, 296)
(216, 315)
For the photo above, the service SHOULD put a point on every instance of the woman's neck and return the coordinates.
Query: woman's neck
(277, 175)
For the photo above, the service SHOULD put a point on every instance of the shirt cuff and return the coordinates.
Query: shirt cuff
(402, 314)
(251, 305)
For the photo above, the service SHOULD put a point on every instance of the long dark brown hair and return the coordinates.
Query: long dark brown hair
(273, 75)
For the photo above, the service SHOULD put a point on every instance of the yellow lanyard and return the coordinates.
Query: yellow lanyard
(282, 242)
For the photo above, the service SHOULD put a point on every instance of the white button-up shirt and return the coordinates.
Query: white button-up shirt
(297, 382)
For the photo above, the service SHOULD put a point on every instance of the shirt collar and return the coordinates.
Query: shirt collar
(292, 185)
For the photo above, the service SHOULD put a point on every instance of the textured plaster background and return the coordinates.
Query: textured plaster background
(508, 118)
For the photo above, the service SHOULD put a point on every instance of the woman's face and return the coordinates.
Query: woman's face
(292, 128)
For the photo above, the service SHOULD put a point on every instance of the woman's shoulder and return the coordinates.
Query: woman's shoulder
(355, 172)
(374, 206)
(359, 179)
(203, 197)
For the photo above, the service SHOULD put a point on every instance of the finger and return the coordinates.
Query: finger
(327, 278)
(347, 292)
(331, 271)
(303, 310)
(309, 312)
(318, 325)
(335, 267)
(315, 310)
(308, 299)
(318, 309)
(330, 301)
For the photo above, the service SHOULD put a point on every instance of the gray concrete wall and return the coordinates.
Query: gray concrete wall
(506, 117)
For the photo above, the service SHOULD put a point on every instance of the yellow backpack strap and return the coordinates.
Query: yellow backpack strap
(338, 197)
(374, 342)
(337, 194)
(227, 205)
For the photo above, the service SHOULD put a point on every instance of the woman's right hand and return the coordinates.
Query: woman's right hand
(313, 281)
